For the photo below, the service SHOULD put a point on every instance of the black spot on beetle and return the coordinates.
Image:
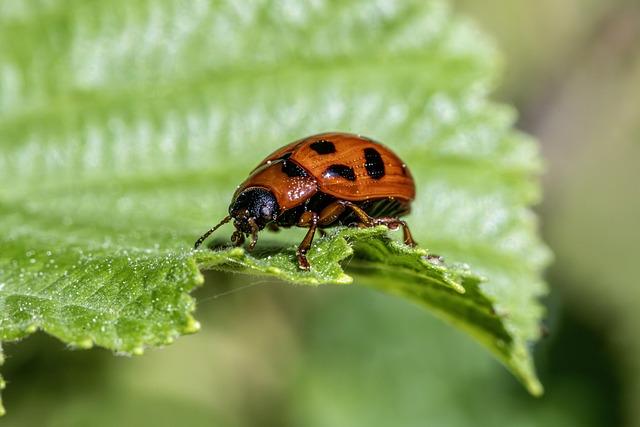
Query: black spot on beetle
(285, 156)
(373, 163)
(323, 146)
(292, 169)
(340, 170)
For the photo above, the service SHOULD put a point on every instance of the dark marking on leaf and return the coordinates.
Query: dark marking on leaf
(292, 169)
(323, 146)
(373, 163)
(340, 170)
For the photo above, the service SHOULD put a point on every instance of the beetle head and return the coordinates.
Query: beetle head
(253, 209)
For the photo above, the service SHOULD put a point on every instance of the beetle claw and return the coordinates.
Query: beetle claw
(303, 263)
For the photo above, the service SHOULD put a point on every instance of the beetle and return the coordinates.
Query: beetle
(318, 182)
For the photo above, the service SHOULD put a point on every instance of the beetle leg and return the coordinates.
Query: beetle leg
(307, 219)
(406, 233)
(237, 238)
(331, 213)
(254, 234)
(392, 223)
(305, 245)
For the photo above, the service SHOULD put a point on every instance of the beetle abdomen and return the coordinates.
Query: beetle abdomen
(377, 208)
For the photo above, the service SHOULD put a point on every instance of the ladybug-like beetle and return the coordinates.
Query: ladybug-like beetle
(322, 181)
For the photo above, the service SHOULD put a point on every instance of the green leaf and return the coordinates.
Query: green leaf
(126, 126)
(2, 384)
(374, 250)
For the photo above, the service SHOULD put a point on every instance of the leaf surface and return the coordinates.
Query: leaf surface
(125, 127)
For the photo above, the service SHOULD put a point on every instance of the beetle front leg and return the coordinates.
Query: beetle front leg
(309, 219)
(237, 238)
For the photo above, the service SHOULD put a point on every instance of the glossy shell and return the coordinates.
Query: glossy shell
(290, 189)
(346, 166)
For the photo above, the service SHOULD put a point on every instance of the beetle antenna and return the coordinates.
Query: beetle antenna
(254, 234)
(202, 238)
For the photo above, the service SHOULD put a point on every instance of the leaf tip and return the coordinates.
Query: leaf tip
(236, 252)
(192, 326)
(137, 351)
(457, 287)
(344, 279)
(2, 386)
(84, 344)
(199, 278)
(535, 387)
(454, 281)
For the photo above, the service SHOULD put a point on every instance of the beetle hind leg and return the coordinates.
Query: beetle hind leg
(406, 233)
(391, 222)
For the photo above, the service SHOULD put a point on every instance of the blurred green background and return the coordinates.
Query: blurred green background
(276, 355)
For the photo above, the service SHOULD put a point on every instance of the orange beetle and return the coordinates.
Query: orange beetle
(322, 181)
